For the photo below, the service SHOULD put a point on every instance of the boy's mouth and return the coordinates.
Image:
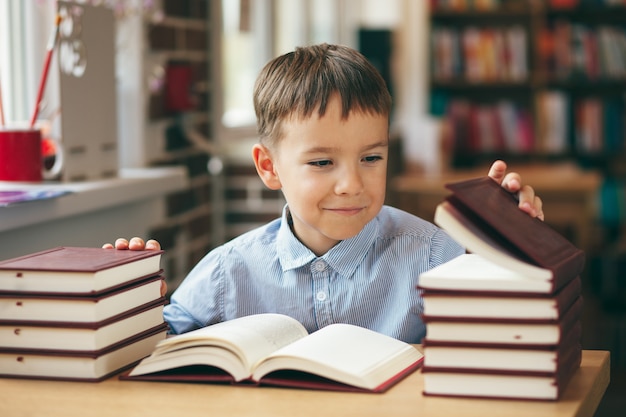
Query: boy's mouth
(346, 211)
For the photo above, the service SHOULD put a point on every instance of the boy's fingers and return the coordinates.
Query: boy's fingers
(121, 243)
(497, 171)
(136, 243)
(153, 245)
(530, 203)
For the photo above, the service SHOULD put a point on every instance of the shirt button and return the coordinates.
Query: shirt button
(321, 296)
(319, 266)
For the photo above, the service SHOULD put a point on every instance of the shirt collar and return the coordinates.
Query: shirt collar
(344, 257)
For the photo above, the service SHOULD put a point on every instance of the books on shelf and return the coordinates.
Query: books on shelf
(490, 128)
(79, 313)
(569, 50)
(479, 55)
(503, 321)
(276, 350)
(76, 270)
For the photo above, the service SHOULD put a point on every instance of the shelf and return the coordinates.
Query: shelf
(530, 83)
(132, 185)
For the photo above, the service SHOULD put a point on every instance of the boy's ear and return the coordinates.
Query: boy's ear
(264, 164)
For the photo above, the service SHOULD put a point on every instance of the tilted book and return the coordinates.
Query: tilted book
(20, 307)
(276, 350)
(485, 219)
(76, 270)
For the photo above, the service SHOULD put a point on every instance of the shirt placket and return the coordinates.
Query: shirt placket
(320, 272)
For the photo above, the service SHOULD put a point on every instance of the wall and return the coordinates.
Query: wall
(182, 43)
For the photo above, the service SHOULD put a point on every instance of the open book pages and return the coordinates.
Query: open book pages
(273, 349)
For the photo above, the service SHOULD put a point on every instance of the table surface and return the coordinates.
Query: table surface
(562, 177)
(115, 398)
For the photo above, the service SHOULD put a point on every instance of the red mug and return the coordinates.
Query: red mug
(20, 156)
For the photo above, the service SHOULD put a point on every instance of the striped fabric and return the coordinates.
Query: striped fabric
(368, 280)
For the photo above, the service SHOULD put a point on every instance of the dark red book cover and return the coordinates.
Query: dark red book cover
(78, 270)
(75, 259)
(493, 210)
(284, 379)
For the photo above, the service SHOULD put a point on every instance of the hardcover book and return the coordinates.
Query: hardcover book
(81, 366)
(485, 219)
(20, 307)
(276, 350)
(496, 384)
(76, 270)
(471, 286)
(77, 336)
(499, 331)
(502, 358)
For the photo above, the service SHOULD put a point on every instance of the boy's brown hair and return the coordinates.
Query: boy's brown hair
(297, 83)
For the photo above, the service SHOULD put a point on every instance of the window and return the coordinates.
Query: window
(253, 32)
(24, 31)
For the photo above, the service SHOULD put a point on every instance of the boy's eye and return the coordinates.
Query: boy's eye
(321, 164)
(373, 158)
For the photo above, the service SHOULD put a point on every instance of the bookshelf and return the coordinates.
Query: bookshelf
(531, 80)
(565, 103)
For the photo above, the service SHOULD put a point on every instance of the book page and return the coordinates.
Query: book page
(251, 338)
(345, 353)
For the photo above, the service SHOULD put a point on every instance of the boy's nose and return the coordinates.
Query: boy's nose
(349, 181)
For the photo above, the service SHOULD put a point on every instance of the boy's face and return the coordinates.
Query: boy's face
(332, 173)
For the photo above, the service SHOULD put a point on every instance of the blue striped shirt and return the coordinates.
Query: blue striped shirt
(368, 280)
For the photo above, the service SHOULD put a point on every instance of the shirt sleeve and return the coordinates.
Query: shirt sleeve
(197, 302)
(443, 249)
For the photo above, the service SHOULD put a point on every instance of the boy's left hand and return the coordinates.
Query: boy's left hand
(512, 182)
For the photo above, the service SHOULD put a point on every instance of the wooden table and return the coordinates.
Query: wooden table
(115, 398)
(569, 194)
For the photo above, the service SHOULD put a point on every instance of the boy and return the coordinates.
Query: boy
(337, 254)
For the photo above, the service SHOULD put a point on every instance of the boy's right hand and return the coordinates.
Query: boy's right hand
(137, 243)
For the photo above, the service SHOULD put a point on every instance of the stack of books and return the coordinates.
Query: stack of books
(79, 313)
(503, 321)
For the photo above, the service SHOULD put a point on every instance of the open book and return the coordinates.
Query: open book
(276, 350)
(485, 219)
